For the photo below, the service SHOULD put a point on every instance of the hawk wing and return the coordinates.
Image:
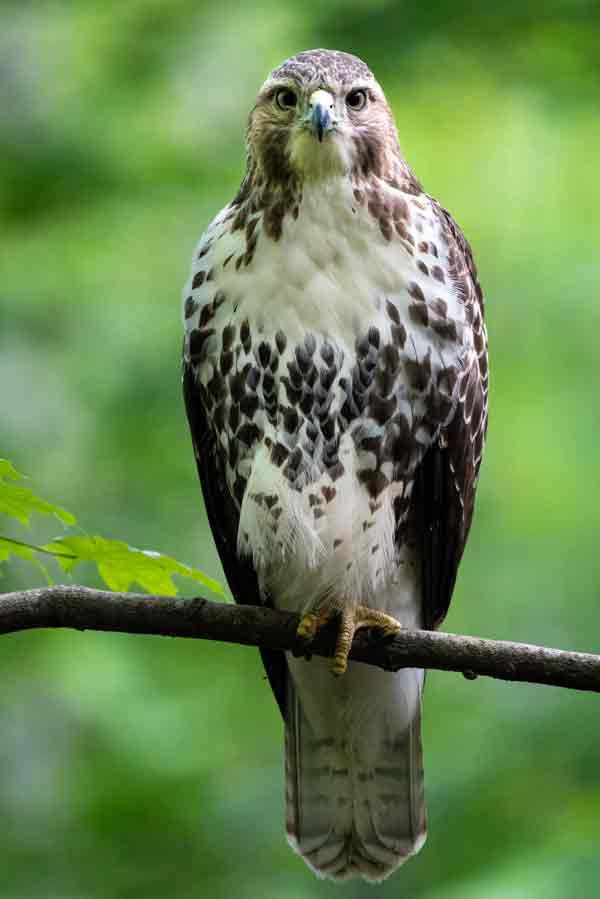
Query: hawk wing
(223, 518)
(446, 480)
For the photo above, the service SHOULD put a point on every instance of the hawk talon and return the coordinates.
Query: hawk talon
(309, 625)
(354, 620)
(351, 621)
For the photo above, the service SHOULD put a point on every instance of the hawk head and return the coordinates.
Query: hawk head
(319, 114)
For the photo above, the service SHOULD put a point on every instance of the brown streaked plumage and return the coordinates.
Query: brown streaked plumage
(335, 377)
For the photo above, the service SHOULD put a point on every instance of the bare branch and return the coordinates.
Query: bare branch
(85, 609)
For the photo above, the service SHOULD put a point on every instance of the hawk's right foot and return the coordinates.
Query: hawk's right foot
(311, 623)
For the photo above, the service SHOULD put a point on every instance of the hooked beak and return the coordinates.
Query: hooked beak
(321, 121)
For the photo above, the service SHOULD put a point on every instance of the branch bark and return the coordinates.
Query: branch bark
(83, 608)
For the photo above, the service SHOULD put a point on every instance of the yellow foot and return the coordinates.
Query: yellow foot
(351, 620)
(307, 630)
(310, 624)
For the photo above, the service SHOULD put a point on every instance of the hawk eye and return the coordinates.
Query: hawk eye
(356, 99)
(286, 99)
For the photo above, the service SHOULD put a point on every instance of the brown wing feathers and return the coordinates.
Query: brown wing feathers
(445, 486)
(223, 519)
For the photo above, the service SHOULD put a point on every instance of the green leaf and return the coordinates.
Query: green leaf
(120, 565)
(8, 470)
(9, 547)
(20, 502)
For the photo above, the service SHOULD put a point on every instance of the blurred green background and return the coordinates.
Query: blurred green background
(146, 768)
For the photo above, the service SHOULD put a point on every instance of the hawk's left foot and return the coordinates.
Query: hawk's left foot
(351, 620)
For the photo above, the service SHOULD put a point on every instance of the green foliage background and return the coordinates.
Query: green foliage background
(142, 768)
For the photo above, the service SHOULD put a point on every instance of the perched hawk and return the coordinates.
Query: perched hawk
(335, 379)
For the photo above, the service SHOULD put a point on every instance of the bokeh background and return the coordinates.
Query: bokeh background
(146, 768)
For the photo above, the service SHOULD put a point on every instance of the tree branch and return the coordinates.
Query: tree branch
(85, 609)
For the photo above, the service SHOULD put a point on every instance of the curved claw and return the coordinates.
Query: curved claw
(351, 620)
(308, 627)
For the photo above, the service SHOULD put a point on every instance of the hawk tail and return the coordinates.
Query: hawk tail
(351, 812)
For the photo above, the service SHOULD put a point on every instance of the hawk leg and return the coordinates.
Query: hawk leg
(350, 621)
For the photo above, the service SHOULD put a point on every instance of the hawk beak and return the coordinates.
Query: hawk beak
(320, 120)
(321, 106)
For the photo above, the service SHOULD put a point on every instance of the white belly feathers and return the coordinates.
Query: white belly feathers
(327, 361)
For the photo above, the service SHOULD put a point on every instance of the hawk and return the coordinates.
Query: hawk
(335, 379)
